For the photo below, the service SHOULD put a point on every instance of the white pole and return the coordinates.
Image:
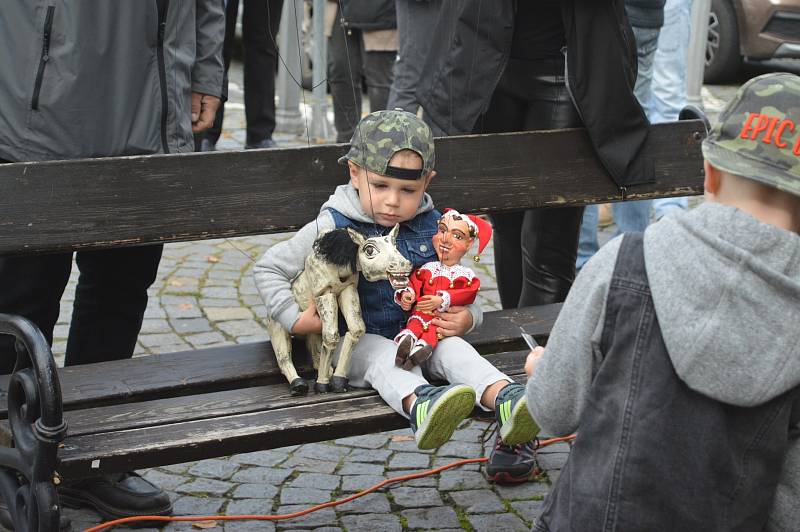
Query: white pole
(697, 52)
(320, 128)
(288, 118)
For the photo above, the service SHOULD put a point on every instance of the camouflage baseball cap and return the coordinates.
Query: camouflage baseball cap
(758, 133)
(381, 134)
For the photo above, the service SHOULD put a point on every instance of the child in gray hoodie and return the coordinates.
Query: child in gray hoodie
(676, 356)
(391, 164)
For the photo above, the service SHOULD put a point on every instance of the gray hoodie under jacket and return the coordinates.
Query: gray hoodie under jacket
(726, 290)
(282, 263)
(94, 78)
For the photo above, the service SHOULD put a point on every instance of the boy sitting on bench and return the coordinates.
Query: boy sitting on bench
(676, 356)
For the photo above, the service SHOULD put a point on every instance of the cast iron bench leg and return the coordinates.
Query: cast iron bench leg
(27, 470)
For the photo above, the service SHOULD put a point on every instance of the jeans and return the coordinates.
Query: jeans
(415, 25)
(629, 215)
(347, 63)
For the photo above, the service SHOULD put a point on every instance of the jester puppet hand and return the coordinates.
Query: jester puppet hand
(436, 286)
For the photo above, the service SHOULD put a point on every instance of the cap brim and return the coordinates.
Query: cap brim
(342, 160)
(751, 168)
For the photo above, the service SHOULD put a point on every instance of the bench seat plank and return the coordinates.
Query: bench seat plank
(216, 369)
(352, 414)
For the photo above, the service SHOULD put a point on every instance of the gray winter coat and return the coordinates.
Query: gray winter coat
(94, 78)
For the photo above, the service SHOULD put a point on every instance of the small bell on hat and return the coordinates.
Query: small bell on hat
(484, 234)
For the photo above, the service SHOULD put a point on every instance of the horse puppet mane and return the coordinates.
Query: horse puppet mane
(337, 248)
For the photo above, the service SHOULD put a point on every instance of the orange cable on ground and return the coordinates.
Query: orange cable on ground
(166, 518)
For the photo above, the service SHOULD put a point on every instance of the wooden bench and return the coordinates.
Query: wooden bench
(179, 407)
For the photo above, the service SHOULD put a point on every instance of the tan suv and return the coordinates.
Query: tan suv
(751, 29)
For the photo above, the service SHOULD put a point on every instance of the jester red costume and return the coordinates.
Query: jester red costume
(456, 285)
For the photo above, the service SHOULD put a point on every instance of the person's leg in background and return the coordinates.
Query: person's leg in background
(208, 139)
(378, 66)
(416, 21)
(587, 243)
(669, 80)
(344, 78)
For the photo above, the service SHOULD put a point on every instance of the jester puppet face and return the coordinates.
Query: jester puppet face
(456, 234)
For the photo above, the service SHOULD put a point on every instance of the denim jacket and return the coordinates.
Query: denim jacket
(380, 312)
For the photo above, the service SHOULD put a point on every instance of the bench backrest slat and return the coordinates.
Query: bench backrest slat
(97, 203)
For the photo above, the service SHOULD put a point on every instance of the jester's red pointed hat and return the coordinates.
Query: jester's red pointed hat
(479, 228)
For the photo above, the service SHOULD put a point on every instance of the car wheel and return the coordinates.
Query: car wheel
(723, 59)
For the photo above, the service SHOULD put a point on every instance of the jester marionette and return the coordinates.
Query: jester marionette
(436, 286)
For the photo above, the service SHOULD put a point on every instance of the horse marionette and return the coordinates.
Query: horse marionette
(330, 278)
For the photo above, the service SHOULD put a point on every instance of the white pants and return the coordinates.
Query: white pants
(454, 360)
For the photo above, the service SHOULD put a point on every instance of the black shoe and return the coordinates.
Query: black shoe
(116, 496)
(510, 464)
(261, 144)
(64, 524)
(420, 354)
(207, 145)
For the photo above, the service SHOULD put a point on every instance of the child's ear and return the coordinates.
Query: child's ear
(430, 177)
(355, 174)
(712, 181)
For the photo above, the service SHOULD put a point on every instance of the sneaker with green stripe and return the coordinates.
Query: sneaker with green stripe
(438, 411)
(511, 410)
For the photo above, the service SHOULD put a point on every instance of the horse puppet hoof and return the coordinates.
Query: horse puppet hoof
(339, 384)
(298, 386)
(321, 387)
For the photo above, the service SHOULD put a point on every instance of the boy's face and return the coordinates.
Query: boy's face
(390, 200)
(452, 240)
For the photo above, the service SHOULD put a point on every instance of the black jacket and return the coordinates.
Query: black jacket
(369, 14)
(471, 48)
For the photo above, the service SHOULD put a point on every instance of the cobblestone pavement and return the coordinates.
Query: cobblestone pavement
(205, 296)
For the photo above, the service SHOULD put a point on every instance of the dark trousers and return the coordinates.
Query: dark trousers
(535, 249)
(347, 63)
(260, 22)
(110, 300)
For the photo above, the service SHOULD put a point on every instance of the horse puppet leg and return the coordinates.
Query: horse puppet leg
(282, 347)
(350, 306)
(328, 312)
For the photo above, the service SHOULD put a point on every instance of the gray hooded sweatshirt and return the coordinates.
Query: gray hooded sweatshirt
(726, 290)
(95, 78)
(283, 262)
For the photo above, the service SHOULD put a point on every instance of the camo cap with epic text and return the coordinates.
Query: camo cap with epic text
(758, 133)
(381, 134)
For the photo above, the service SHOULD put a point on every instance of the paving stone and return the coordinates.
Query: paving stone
(226, 314)
(182, 285)
(368, 504)
(460, 449)
(372, 523)
(152, 340)
(506, 522)
(357, 468)
(525, 490)
(191, 325)
(249, 507)
(220, 292)
(177, 468)
(311, 465)
(368, 441)
(237, 328)
(469, 434)
(431, 518)
(371, 456)
(409, 461)
(529, 510)
(229, 303)
(316, 480)
(552, 476)
(461, 480)
(322, 451)
(197, 505)
(324, 517)
(192, 273)
(249, 526)
(154, 311)
(255, 491)
(360, 482)
(178, 300)
(304, 496)
(170, 348)
(429, 481)
(164, 480)
(186, 310)
(217, 273)
(149, 326)
(552, 460)
(205, 485)
(251, 299)
(216, 469)
(439, 461)
(262, 458)
(415, 497)
(262, 337)
(478, 501)
(204, 339)
(256, 475)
